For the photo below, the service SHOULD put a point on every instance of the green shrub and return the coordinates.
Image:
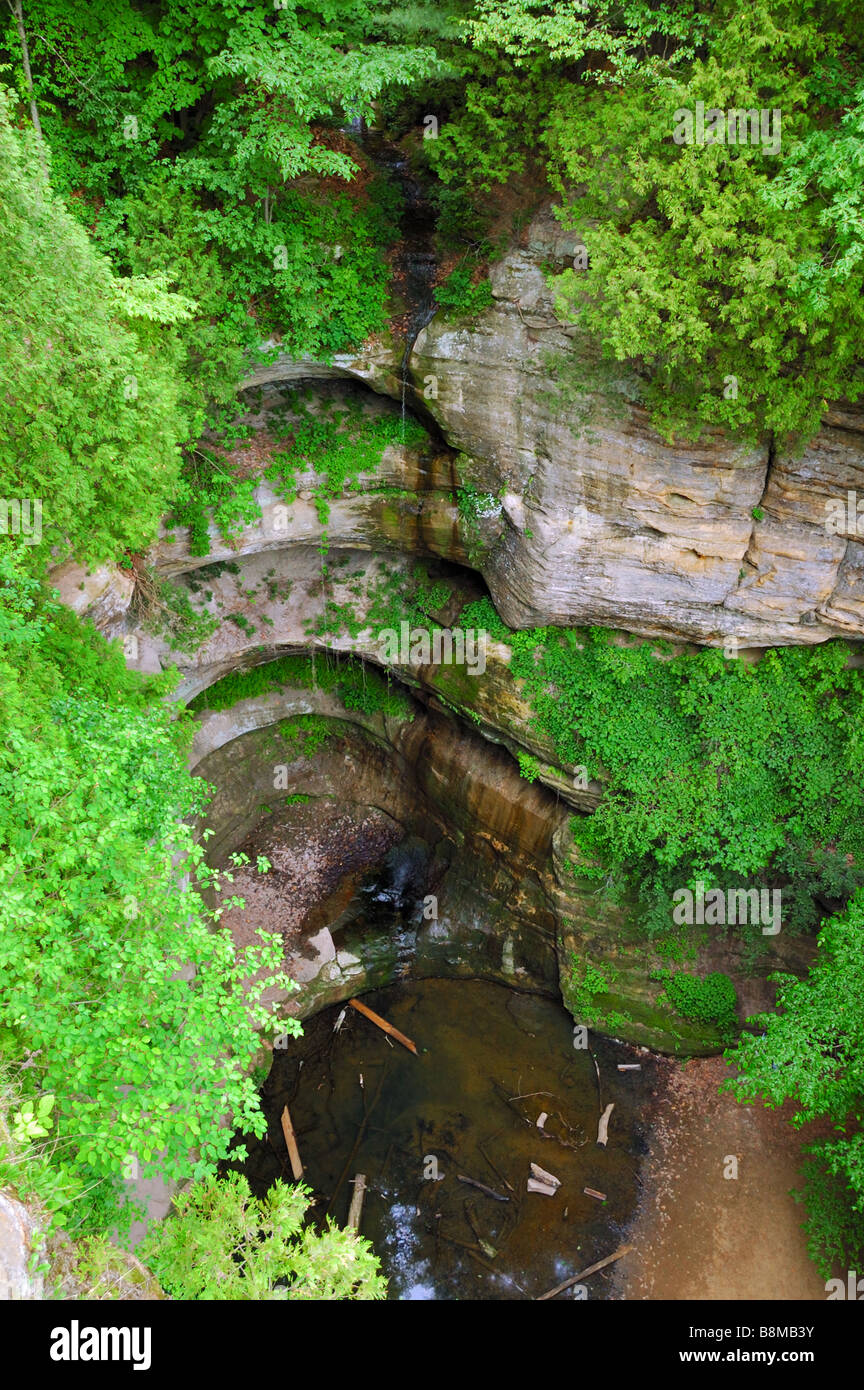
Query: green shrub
(461, 294)
(223, 1243)
(100, 904)
(710, 1000)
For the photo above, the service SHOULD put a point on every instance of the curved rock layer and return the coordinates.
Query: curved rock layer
(585, 515)
(605, 521)
(508, 903)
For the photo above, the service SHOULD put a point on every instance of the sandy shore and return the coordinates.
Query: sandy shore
(702, 1235)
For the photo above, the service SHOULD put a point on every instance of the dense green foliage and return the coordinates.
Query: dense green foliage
(715, 770)
(708, 1000)
(461, 294)
(204, 149)
(200, 141)
(811, 1052)
(223, 1243)
(194, 196)
(91, 419)
(728, 275)
(100, 908)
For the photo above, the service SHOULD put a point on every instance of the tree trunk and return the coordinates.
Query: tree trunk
(15, 6)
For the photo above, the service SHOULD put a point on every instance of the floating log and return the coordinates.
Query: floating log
(481, 1187)
(592, 1192)
(584, 1273)
(544, 1188)
(542, 1176)
(291, 1143)
(603, 1127)
(355, 1211)
(384, 1025)
(629, 1066)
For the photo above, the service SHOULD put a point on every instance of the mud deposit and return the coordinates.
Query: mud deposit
(702, 1233)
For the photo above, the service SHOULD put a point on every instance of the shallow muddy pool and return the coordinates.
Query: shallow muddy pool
(490, 1062)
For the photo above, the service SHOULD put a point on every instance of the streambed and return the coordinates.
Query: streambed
(490, 1061)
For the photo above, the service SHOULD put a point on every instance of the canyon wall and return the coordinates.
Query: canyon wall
(585, 516)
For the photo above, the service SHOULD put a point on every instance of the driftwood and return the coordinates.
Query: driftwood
(592, 1192)
(355, 1211)
(583, 1273)
(603, 1127)
(481, 1187)
(541, 1119)
(546, 1189)
(542, 1176)
(384, 1025)
(291, 1144)
(629, 1066)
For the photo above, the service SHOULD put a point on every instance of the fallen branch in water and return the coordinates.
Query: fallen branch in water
(367, 1112)
(291, 1145)
(499, 1175)
(599, 1084)
(384, 1025)
(583, 1273)
(355, 1211)
(511, 1103)
(481, 1187)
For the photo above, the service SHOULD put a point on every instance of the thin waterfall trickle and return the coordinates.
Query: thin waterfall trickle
(415, 260)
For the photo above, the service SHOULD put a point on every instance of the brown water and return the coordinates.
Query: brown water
(490, 1061)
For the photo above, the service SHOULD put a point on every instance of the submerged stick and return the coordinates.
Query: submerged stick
(497, 1171)
(583, 1273)
(291, 1144)
(599, 1085)
(359, 1140)
(384, 1025)
(481, 1187)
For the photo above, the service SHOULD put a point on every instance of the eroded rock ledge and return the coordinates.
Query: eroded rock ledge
(607, 525)
(510, 904)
